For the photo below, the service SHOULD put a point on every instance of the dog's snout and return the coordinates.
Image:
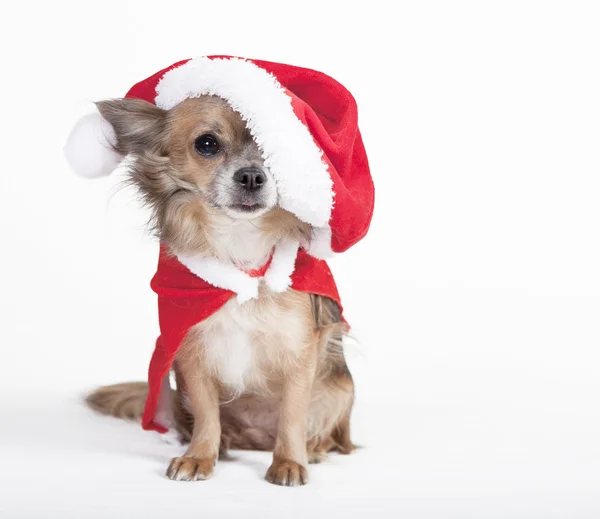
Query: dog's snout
(251, 179)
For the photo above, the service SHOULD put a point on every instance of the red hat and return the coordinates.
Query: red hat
(304, 122)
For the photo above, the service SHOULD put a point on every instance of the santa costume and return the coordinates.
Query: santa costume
(306, 126)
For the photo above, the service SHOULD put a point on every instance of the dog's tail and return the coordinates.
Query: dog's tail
(125, 400)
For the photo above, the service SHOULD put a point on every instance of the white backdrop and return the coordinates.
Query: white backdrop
(475, 297)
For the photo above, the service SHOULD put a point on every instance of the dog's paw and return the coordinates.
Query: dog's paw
(190, 469)
(287, 473)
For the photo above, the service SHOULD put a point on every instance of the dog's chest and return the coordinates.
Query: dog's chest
(243, 242)
(246, 345)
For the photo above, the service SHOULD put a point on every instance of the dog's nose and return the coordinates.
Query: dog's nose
(251, 179)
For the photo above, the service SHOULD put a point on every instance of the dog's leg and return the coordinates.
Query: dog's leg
(290, 455)
(202, 397)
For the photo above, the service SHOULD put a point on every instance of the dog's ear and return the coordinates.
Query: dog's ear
(139, 126)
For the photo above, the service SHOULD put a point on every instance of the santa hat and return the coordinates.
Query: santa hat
(304, 122)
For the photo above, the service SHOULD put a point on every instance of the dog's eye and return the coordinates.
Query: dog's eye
(206, 145)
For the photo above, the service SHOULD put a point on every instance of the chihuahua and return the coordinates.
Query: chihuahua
(268, 373)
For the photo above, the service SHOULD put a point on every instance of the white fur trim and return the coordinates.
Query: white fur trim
(303, 182)
(89, 148)
(227, 276)
(222, 275)
(279, 275)
(320, 243)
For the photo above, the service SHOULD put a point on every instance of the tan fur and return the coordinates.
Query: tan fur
(267, 374)
(297, 396)
(124, 400)
(202, 399)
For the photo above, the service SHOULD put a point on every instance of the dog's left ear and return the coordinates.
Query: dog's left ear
(99, 141)
(138, 125)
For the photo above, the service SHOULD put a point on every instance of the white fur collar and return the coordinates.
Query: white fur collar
(227, 276)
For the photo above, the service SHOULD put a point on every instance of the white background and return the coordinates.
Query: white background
(475, 297)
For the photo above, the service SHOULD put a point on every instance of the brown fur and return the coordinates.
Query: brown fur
(125, 400)
(297, 392)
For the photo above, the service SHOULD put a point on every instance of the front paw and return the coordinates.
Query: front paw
(190, 469)
(287, 473)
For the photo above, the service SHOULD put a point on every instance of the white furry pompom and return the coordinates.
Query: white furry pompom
(89, 148)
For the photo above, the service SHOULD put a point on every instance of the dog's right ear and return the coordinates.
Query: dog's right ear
(138, 125)
(99, 141)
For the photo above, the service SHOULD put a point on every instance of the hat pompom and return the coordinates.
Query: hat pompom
(90, 147)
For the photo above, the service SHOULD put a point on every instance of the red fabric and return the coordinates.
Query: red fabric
(185, 300)
(258, 273)
(329, 112)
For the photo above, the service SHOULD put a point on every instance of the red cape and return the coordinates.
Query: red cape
(184, 300)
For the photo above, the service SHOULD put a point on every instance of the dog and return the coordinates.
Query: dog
(268, 373)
